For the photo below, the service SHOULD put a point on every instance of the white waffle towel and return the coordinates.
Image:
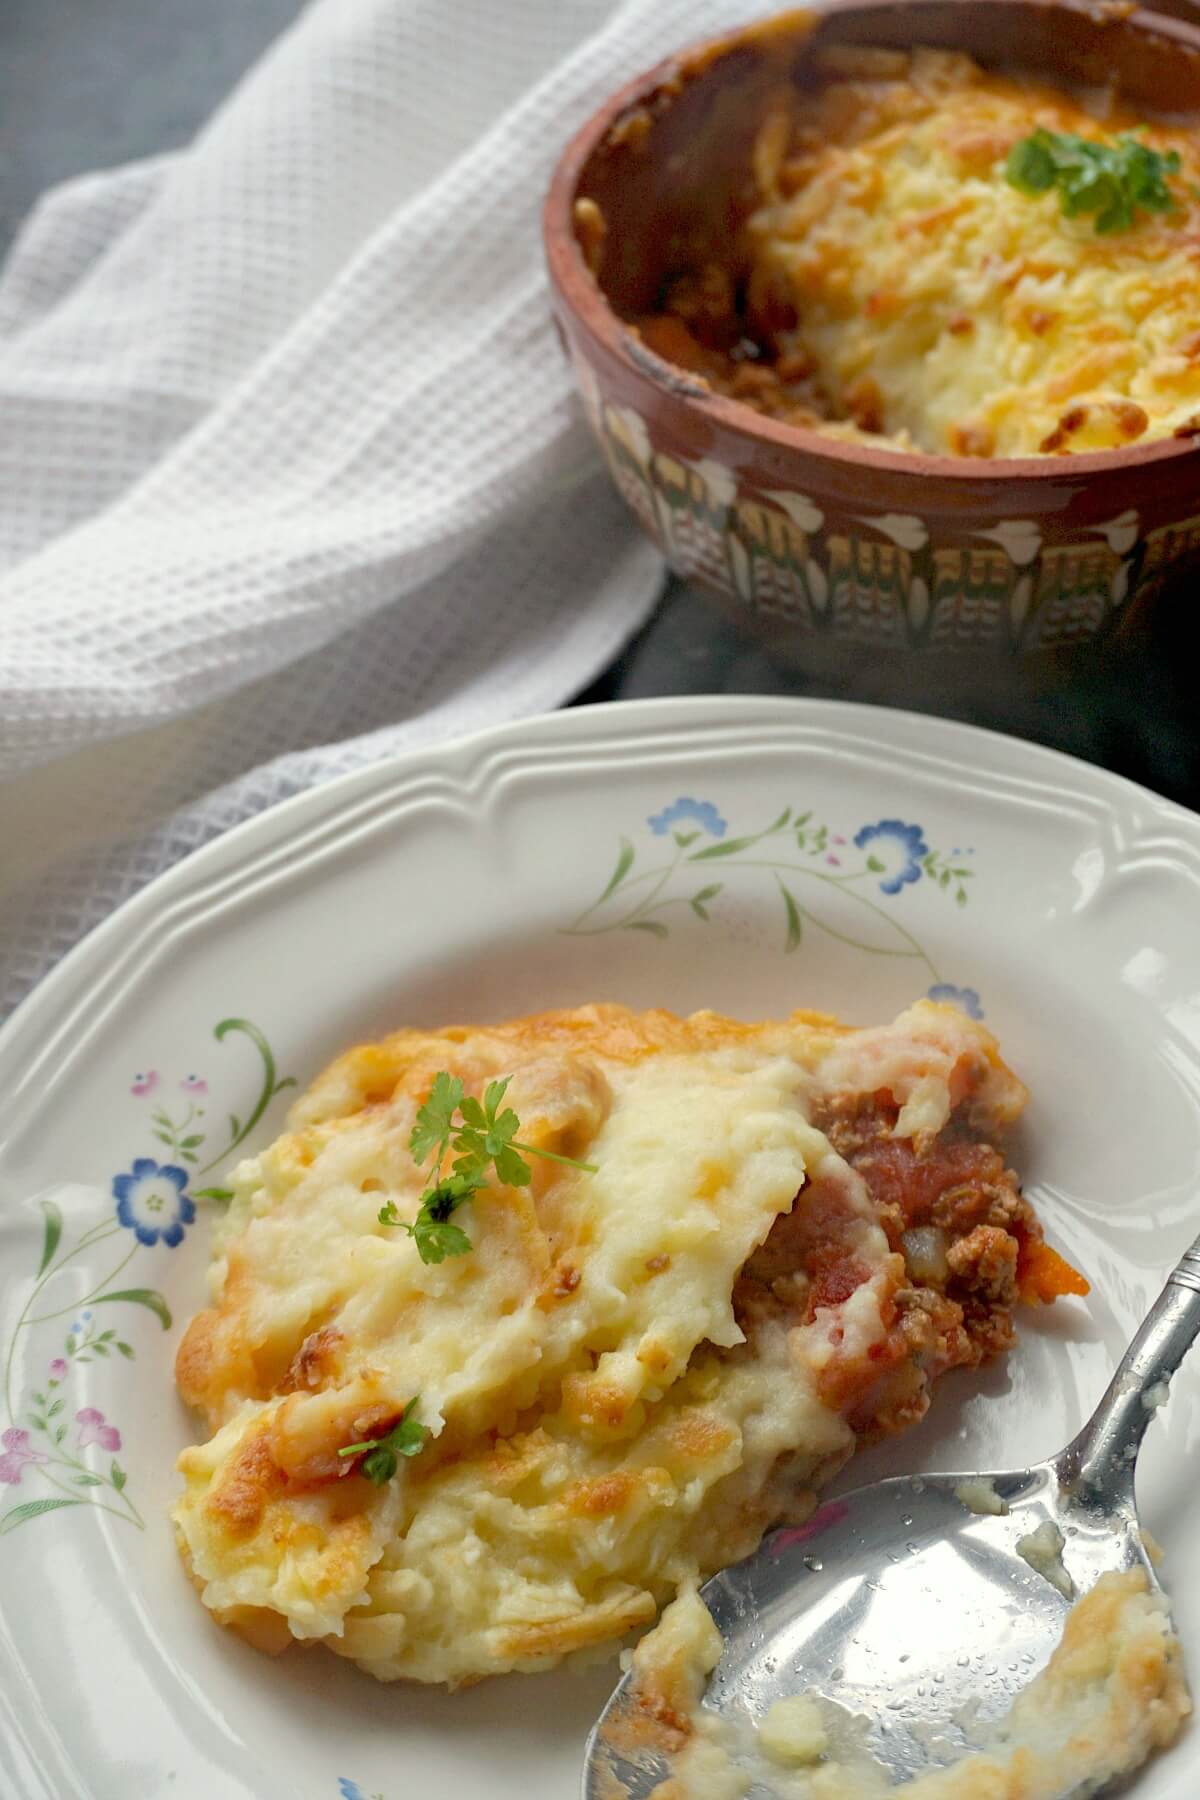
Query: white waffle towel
(290, 471)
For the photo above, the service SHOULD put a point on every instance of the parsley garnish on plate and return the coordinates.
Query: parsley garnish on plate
(484, 1138)
(1113, 181)
(406, 1438)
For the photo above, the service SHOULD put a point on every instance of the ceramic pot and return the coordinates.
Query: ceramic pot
(805, 536)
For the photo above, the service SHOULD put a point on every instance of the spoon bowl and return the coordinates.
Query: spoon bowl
(921, 1606)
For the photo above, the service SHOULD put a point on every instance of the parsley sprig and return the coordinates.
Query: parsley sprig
(1113, 181)
(484, 1138)
(406, 1438)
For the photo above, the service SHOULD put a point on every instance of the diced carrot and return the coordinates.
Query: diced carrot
(1043, 1275)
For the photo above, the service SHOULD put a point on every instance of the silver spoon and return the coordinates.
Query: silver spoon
(901, 1603)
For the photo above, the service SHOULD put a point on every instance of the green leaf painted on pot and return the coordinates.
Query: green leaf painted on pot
(653, 926)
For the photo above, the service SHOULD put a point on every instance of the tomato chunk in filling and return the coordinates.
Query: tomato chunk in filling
(966, 1247)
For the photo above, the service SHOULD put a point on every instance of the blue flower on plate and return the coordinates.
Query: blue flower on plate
(152, 1201)
(349, 1790)
(683, 811)
(894, 850)
(966, 999)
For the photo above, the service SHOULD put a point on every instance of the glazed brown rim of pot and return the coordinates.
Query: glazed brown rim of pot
(593, 312)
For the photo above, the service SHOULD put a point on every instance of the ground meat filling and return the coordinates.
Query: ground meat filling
(961, 1232)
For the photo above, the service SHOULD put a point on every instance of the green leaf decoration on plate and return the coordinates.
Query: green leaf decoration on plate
(32, 1509)
(45, 1437)
(851, 868)
(148, 1297)
(52, 1233)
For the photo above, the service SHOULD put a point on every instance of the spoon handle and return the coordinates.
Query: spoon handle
(1098, 1465)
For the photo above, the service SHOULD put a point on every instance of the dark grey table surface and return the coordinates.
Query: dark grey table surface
(85, 84)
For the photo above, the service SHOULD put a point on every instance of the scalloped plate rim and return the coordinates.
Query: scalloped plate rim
(461, 766)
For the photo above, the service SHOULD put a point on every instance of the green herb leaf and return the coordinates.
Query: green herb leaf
(1112, 182)
(437, 1239)
(406, 1438)
(484, 1139)
(1031, 165)
(435, 1120)
(117, 1475)
(431, 1231)
(512, 1169)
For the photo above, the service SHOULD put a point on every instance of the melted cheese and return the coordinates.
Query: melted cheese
(943, 309)
(601, 1431)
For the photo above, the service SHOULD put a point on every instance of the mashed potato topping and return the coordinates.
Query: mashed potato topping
(631, 1374)
(898, 286)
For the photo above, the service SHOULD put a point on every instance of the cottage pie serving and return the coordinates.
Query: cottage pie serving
(451, 1446)
(954, 260)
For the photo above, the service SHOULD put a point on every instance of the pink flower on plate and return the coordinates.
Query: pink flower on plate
(835, 860)
(145, 1081)
(58, 1369)
(18, 1452)
(94, 1430)
(194, 1084)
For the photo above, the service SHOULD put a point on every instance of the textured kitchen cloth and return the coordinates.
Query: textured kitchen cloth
(290, 471)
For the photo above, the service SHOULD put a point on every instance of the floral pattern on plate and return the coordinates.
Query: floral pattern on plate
(69, 1457)
(803, 857)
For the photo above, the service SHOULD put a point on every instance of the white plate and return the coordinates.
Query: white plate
(470, 882)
